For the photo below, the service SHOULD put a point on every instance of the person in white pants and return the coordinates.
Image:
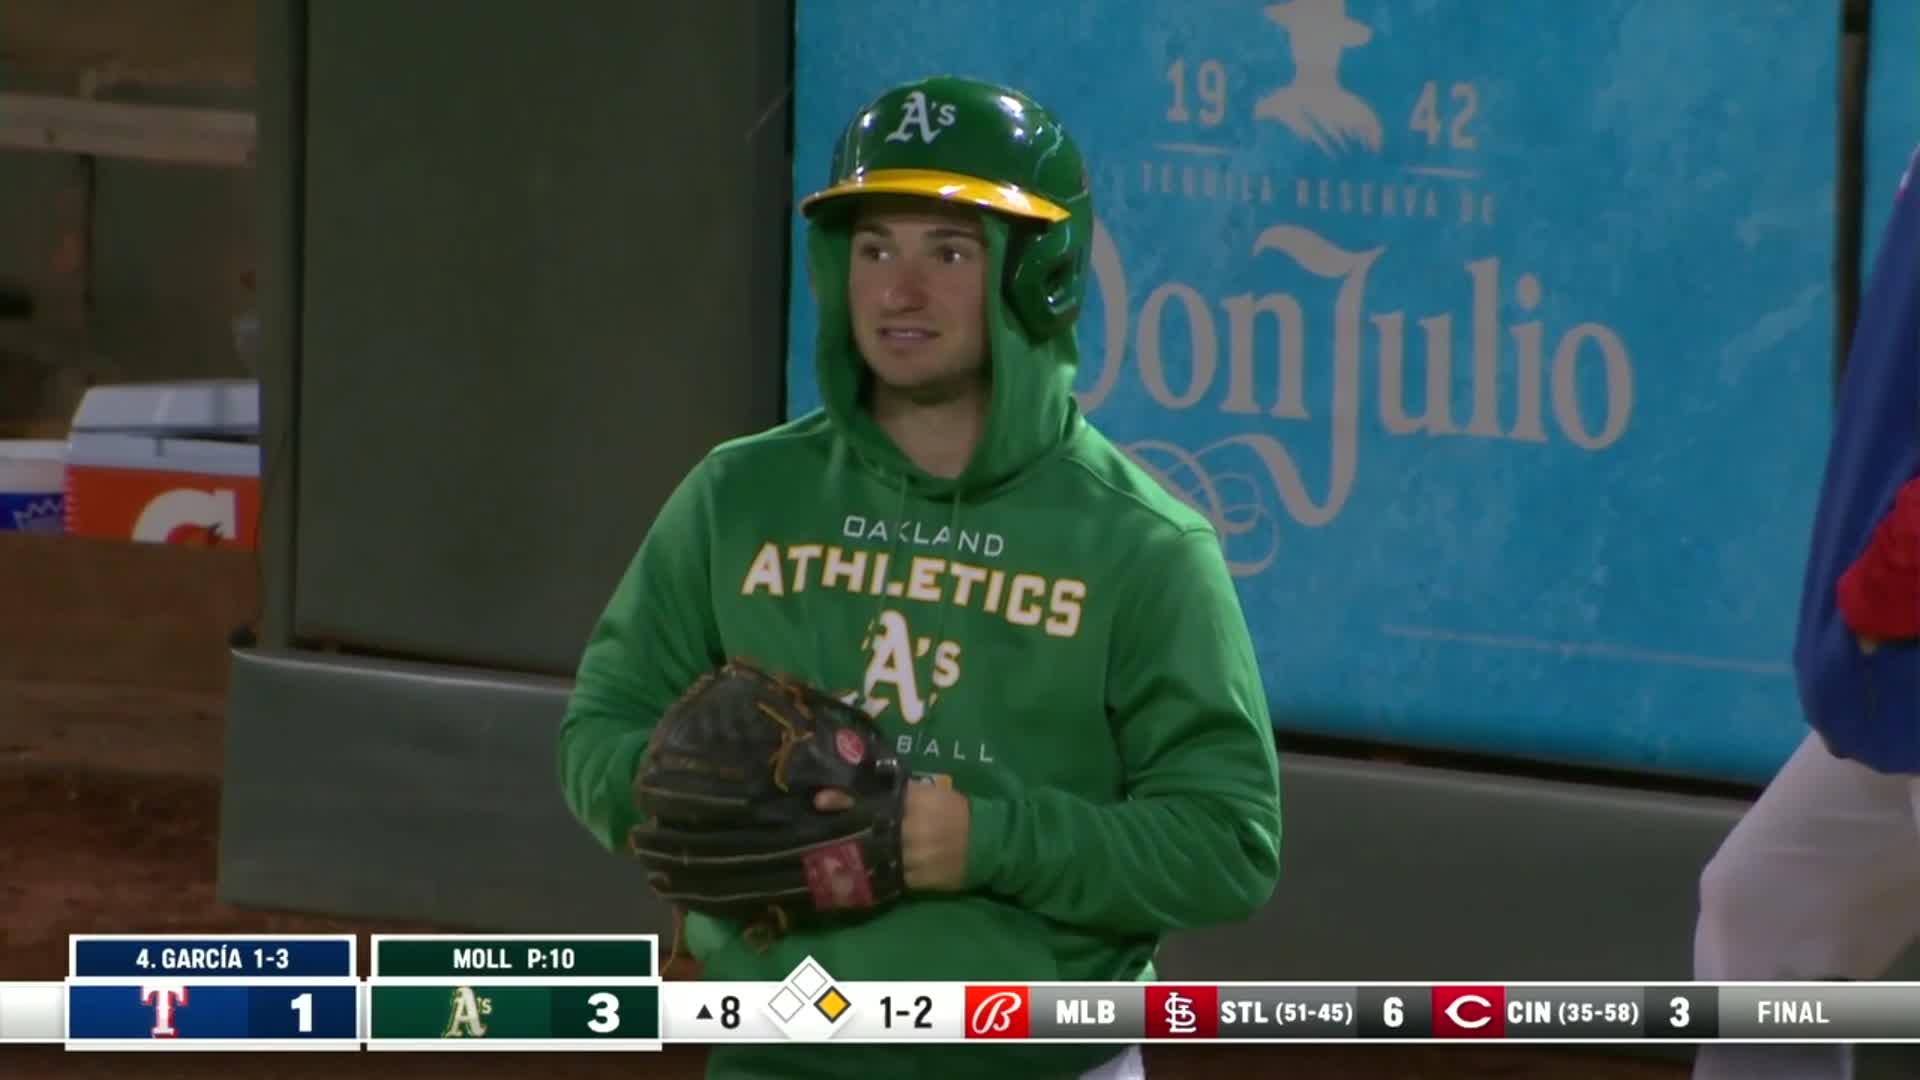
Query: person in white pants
(1821, 879)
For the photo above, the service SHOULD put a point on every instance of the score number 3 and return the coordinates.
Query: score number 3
(606, 1013)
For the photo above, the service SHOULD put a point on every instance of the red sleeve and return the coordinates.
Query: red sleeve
(1880, 592)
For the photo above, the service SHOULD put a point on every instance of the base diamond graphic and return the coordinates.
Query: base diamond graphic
(809, 984)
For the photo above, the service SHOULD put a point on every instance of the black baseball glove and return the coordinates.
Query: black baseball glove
(728, 825)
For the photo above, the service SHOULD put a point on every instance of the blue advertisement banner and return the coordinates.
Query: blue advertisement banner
(1893, 114)
(1498, 349)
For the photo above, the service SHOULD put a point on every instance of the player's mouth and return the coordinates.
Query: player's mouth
(907, 334)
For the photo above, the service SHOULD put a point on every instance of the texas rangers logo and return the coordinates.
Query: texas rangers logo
(919, 117)
(165, 1002)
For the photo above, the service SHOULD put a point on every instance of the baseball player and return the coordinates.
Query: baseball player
(1821, 879)
(1048, 639)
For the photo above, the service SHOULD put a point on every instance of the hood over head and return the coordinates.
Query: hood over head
(971, 143)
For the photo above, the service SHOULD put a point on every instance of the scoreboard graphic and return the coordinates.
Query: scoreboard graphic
(452, 993)
(514, 993)
(180, 992)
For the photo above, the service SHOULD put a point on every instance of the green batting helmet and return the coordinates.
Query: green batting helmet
(963, 140)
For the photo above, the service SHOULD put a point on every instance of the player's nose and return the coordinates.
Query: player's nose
(905, 290)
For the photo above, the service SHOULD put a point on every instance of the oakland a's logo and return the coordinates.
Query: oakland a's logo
(891, 678)
(922, 118)
(464, 1015)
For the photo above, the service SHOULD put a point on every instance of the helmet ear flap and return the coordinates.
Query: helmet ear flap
(1046, 276)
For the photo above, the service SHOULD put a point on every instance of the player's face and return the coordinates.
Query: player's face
(917, 290)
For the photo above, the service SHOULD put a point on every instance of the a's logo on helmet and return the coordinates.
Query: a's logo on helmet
(923, 118)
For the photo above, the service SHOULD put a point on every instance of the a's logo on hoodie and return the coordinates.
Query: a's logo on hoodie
(891, 677)
(893, 680)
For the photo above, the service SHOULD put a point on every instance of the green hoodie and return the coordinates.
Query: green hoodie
(1051, 633)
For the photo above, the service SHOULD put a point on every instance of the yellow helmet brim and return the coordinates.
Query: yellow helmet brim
(951, 187)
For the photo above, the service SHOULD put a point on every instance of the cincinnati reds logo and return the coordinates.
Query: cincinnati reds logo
(1456, 1014)
(1468, 1012)
(995, 1014)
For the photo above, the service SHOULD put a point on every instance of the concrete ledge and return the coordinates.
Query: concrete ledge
(409, 792)
(414, 791)
(1405, 872)
(418, 793)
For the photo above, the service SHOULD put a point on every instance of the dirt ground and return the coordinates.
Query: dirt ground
(110, 800)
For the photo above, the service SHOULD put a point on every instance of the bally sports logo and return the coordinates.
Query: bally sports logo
(998, 1012)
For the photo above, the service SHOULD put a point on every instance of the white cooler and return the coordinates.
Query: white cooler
(167, 463)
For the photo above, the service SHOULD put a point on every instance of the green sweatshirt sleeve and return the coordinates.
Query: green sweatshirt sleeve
(1196, 841)
(656, 635)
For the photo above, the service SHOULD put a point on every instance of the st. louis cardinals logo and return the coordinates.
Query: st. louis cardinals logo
(1181, 1019)
(1183, 1012)
(922, 118)
(165, 1002)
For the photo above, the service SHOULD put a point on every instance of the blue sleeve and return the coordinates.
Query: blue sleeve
(1862, 703)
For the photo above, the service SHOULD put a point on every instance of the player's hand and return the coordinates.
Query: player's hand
(933, 836)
